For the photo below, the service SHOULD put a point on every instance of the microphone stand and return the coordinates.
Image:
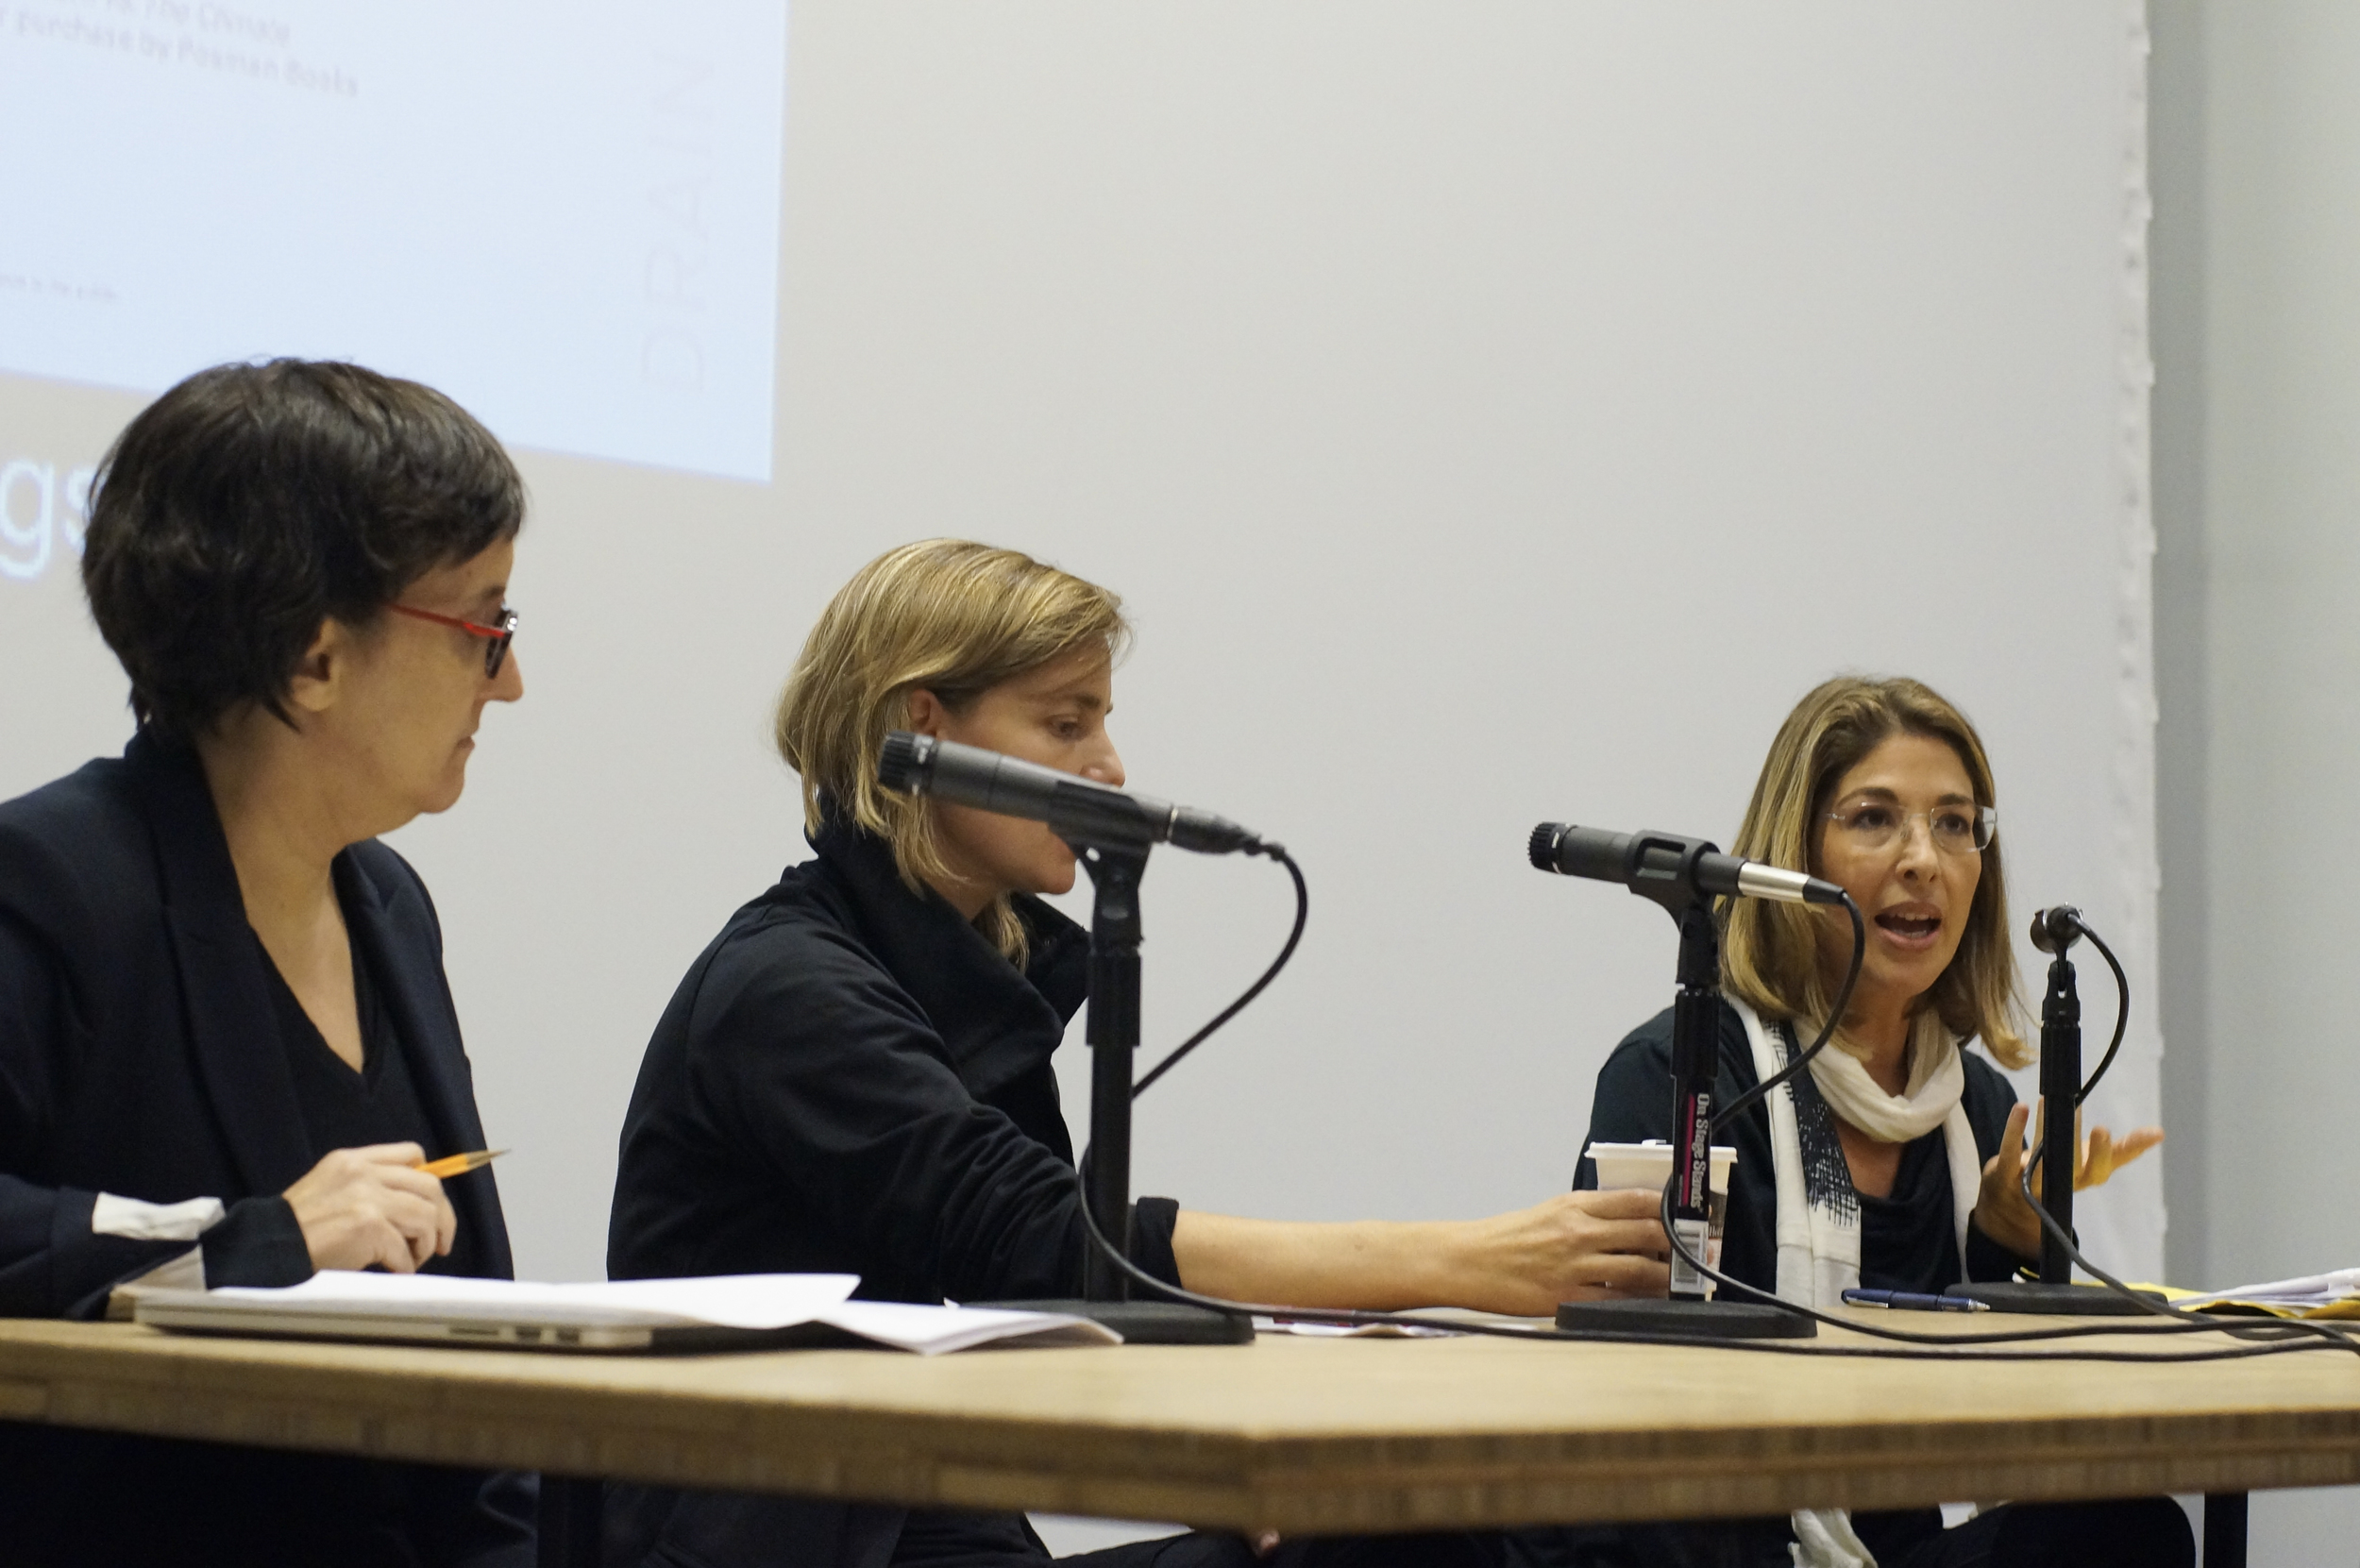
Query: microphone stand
(1696, 1063)
(2060, 1091)
(1695, 1069)
(2054, 1293)
(1111, 1027)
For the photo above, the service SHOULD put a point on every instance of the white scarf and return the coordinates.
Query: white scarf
(1819, 1224)
(1936, 1079)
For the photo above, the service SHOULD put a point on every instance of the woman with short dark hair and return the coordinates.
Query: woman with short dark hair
(225, 1039)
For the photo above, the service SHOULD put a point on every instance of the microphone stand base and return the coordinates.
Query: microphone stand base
(1697, 1319)
(2063, 1301)
(1147, 1323)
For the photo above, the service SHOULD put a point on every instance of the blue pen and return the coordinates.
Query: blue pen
(1913, 1301)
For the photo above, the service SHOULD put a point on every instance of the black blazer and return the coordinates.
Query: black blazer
(139, 1056)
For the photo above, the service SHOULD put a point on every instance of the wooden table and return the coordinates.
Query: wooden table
(1301, 1435)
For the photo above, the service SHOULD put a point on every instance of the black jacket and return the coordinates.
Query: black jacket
(1634, 1103)
(1908, 1243)
(850, 1079)
(140, 1055)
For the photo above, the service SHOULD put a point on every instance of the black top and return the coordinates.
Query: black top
(853, 1080)
(342, 1108)
(141, 1054)
(1906, 1241)
(1908, 1238)
(345, 1109)
(850, 1079)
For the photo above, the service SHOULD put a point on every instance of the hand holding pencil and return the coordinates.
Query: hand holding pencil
(380, 1206)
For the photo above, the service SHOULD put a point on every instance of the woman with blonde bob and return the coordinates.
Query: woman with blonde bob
(1894, 1162)
(855, 1077)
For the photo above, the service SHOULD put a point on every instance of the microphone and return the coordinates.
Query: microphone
(1080, 811)
(1668, 867)
(2055, 930)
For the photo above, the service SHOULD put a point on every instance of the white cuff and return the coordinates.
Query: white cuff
(145, 1221)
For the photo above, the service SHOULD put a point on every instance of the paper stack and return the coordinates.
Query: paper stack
(2333, 1295)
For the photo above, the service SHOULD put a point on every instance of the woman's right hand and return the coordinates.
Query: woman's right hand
(372, 1205)
(1577, 1246)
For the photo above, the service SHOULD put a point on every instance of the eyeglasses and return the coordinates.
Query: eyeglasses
(1871, 825)
(500, 637)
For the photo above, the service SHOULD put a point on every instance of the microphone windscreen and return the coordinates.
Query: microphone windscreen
(1576, 851)
(2055, 930)
(901, 765)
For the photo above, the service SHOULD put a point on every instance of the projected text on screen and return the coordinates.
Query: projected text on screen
(566, 216)
(44, 511)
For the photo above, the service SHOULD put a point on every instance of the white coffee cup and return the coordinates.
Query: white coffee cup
(1648, 1166)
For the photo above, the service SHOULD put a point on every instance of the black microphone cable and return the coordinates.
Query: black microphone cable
(1924, 1347)
(2276, 1336)
(2326, 1332)
(1903, 1344)
(1761, 1091)
(2122, 1009)
(2273, 1338)
(1303, 914)
(2322, 1335)
(1979, 1348)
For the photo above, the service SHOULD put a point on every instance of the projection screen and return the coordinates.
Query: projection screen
(1489, 412)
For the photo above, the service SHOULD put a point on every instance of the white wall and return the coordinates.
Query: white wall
(1487, 423)
(1490, 412)
(2258, 333)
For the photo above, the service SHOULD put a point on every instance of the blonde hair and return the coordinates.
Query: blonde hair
(1769, 952)
(947, 616)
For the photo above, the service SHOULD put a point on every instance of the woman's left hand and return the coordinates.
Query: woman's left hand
(2001, 1212)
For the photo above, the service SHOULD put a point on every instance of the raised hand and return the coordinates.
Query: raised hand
(2000, 1211)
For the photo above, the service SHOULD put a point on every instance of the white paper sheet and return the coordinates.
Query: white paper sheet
(721, 1300)
(2310, 1291)
(755, 1302)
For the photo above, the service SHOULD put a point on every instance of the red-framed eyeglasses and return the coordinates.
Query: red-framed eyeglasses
(496, 637)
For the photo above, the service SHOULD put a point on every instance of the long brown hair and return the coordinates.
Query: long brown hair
(1770, 953)
(952, 618)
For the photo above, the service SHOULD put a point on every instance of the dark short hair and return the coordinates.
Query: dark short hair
(252, 502)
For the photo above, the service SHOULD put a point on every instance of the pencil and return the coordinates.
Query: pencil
(459, 1165)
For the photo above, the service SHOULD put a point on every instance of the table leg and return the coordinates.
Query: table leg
(570, 1507)
(2224, 1529)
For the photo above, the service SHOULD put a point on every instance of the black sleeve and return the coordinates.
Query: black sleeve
(259, 1243)
(811, 1060)
(51, 1263)
(1988, 1098)
(1633, 1100)
(1152, 1223)
(1633, 1104)
(1986, 1259)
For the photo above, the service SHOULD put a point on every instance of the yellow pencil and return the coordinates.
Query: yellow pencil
(459, 1165)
